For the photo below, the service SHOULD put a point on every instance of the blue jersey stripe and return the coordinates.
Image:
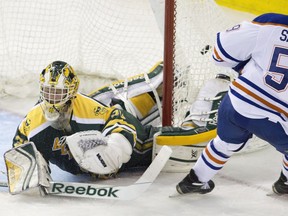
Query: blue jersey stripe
(236, 94)
(216, 151)
(217, 60)
(248, 82)
(223, 51)
(209, 164)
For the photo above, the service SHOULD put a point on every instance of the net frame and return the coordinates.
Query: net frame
(189, 33)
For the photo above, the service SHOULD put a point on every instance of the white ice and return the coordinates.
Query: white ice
(241, 186)
(241, 189)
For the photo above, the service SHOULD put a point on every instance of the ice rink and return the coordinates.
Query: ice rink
(243, 186)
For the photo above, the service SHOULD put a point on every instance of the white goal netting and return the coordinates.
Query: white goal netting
(103, 39)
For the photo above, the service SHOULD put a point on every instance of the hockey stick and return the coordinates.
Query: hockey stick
(113, 192)
(3, 184)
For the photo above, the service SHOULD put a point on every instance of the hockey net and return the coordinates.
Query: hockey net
(107, 40)
(190, 31)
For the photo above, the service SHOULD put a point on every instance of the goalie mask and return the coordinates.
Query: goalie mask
(58, 85)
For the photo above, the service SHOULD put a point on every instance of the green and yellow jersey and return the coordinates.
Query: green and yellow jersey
(87, 114)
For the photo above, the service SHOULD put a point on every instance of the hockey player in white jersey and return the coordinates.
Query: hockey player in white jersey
(256, 103)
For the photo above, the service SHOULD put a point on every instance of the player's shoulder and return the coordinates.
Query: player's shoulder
(271, 19)
(84, 99)
(87, 107)
(35, 112)
(33, 120)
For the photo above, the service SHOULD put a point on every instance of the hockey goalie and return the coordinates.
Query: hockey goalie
(111, 130)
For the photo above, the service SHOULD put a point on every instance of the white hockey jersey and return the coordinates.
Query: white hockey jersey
(260, 47)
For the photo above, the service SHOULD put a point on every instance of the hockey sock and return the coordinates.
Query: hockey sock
(210, 162)
(285, 166)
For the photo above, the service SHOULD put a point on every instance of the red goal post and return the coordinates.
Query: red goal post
(190, 29)
(168, 62)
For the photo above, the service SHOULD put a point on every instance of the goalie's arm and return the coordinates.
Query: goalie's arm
(123, 123)
(111, 147)
(114, 145)
(20, 136)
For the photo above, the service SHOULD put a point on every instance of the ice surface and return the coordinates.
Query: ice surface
(241, 189)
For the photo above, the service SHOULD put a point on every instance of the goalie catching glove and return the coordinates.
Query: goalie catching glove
(98, 154)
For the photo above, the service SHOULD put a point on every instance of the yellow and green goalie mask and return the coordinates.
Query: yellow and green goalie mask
(58, 86)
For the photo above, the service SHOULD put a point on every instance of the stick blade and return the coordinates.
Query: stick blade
(156, 166)
(130, 192)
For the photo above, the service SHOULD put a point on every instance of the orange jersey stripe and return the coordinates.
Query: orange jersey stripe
(217, 55)
(268, 104)
(285, 163)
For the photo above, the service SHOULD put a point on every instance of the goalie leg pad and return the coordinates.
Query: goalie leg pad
(178, 137)
(26, 168)
(187, 146)
(130, 93)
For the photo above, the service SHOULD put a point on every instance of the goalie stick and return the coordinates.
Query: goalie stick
(3, 184)
(129, 192)
(113, 192)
